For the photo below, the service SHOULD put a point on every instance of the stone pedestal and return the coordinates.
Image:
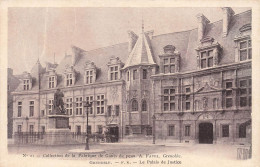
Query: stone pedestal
(58, 132)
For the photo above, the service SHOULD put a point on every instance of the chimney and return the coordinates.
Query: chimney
(202, 24)
(227, 15)
(132, 38)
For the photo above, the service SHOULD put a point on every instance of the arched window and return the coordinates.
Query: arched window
(196, 105)
(144, 105)
(134, 105)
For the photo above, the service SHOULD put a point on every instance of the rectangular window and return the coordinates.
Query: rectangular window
(144, 73)
(100, 129)
(114, 71)
(206, 59)
(187, 105)
(171, 130)
(69, 107)
(89, 76)
(245, 50)
(128, 75)
(187, 130)
(19, 114)
(100, 104)
(117, 110)
(225, 130)
(90, 100)
(169, 99)
(109, 111)
(242, 131)
(19, 128)
(50, 106)
(69, 79)
(127, 130)
(229, 94)
(79, 106)
(134, 74)
(42, 112)
(31, 108)
(26, 84)
(245, 92)
(51, 81)
(31, 129)
(169, 65)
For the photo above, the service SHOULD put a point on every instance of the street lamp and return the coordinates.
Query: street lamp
(87, 105)
(154, 118)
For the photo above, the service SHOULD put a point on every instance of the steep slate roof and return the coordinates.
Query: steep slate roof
(141, 53)
(148, 51)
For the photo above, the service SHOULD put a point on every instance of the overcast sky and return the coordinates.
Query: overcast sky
(41, 32)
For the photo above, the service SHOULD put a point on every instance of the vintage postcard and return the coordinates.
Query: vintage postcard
(153, 83)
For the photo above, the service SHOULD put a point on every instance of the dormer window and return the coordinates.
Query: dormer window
(243, 46)
(70, 76)
(114, 73)
(26, 84)
(170, 60)
(89, 76)
(90, 73)
(208, 53)
(69, 79)
(114, 67)
(51, 81)
(206, 59)
(245, 50)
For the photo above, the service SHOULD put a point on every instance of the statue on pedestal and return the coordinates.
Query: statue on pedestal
(58, 104)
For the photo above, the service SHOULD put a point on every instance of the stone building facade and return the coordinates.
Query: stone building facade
(196, 84)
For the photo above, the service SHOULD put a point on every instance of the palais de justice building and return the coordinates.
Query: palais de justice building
(196, 84)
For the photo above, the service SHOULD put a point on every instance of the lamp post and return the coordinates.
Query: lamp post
(87, 105)
(154, 118)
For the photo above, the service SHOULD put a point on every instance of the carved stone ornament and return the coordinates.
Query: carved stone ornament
(205, 102)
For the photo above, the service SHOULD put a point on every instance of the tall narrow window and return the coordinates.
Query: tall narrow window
(100, 104)
(196, 105)
(134, 105)
(69, 106)
(90, 100)
(229, 94)
(79, 106)
(245, 92)
(26, 84)
(19, 114)
(135, 75)
(114, 71)
(128, 75)
(144, 105)
(144, 73)
(245, 50)
(171, 130)
(187, 130)
(215, 103)
(206, 59)
(69, 79)
(117, 110)
(50, 108)
(242, 131)
(89, 76)
(78, 130)
(100, 129)
(187, 98)
(51, 81)
(169, 99)
(31, 108)
(109, 111)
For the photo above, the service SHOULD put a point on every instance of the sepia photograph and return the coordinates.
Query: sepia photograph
(129, 86)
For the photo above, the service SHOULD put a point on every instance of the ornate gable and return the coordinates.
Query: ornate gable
(206, 88)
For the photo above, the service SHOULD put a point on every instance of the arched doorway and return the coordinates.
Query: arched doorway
(206, 133)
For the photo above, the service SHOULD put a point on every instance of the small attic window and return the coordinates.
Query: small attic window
(169, 60)
(26, 84)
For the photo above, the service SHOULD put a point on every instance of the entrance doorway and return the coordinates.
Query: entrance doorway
(113, 134)
(206, 133)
